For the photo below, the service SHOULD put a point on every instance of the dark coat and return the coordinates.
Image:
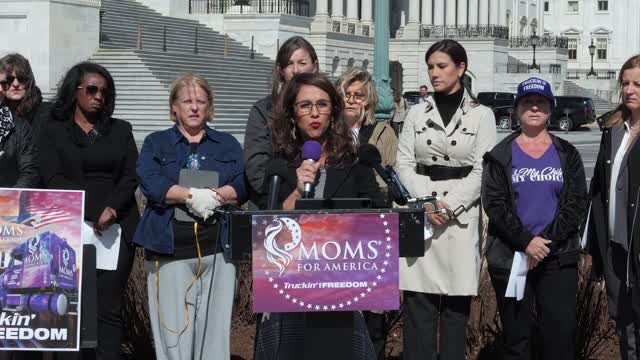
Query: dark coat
(598, 236)
(63, 165)
(257, 148)
(348, 181)
(18, 152)
(506, 232)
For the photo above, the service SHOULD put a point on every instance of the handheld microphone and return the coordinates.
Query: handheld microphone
(311, 150)
(369, 155)
(276, 172)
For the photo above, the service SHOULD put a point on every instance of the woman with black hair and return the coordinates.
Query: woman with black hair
(295, 56)
(440, 154)
(21, 94)
(84, 148)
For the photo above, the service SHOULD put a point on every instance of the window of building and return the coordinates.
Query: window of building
(601, 49)
(572, 47)
(603, 5)
(546, 6)
(572, 6)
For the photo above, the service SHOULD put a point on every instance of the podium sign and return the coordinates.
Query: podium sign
(40, 266)
(325, 262)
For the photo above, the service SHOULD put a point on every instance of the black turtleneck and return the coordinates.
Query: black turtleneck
(448, 104)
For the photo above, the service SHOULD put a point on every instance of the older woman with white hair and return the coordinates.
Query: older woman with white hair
(185, 264)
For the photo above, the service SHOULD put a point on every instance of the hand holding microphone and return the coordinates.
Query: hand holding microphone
(311, 153)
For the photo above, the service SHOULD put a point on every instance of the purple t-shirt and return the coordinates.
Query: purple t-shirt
(537, 184)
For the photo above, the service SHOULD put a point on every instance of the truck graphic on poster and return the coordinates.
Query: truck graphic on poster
(40, 276)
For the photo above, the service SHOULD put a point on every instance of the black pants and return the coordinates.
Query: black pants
(422, 314)
(377, 328)
(553, 289)
(112, 286)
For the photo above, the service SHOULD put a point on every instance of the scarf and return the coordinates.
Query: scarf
(6, 122)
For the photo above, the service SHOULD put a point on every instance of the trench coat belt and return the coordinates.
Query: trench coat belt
(441, 172)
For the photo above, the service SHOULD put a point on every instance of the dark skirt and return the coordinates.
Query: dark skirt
(281, 337)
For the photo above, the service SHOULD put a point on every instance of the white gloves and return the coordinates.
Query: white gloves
(202, 202)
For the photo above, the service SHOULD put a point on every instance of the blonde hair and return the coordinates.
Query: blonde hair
(622, 112)
(369, 86)
(190, 79)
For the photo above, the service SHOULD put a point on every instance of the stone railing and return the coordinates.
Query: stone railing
(291, 7)
(464, 32)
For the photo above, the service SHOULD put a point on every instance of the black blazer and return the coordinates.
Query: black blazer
(348, 181)
(112, 157)
(599, 221)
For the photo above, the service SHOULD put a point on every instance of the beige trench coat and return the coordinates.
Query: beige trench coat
(451, 263)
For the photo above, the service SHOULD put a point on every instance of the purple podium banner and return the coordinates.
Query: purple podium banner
(40, 267)
(325, 262)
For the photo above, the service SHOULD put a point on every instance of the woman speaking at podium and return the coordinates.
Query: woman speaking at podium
(311, 110)
(440, 154)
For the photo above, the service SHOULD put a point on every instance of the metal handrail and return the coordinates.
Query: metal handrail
(464, 32)
(291, 7)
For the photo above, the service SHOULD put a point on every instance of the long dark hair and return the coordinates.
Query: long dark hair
(286, 137)
(457, 53)
(622, 112)
(64, 103)
(20, 65)
(282, 60)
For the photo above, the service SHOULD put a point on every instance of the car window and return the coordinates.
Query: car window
(504, 96)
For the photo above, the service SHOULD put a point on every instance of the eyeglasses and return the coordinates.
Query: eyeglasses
(355, 96)
(304, 107)
(9, 79)
(93, 90)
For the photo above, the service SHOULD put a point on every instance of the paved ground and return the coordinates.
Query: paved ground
(586, 140)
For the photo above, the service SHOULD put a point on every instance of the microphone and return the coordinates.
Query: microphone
(368, 155)
(311, 150)
(276, 172)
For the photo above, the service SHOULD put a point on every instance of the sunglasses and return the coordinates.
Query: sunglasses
(9, 79)
(93, 90)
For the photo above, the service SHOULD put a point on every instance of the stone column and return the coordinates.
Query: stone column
(462, 13)
(473, 12)
(352, 10)
(450, 9)
(438, 12)
(322, 8)
(483, 12)
(367, 13)
(412, 29)
(336, 9)
(337, 16)
(320, 23)
(427, 12)
(414, 12)
(502, 12)
(381, 61)
(494, 10)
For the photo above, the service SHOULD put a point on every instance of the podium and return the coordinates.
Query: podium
(327, 335)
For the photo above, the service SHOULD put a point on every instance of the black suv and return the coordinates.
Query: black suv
(569, 113)
(502, 105)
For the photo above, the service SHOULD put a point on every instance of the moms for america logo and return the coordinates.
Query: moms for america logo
(325, 262)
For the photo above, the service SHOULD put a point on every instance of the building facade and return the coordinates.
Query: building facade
(611, 25)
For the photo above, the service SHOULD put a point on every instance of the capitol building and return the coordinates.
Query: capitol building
(145, 43)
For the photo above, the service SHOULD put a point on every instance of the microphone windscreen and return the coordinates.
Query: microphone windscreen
(311, 150)
(276, 167)
(369, 155)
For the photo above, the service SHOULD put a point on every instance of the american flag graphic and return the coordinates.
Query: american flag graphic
(45, 215)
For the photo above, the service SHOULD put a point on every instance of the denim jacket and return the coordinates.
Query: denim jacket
(163, 155)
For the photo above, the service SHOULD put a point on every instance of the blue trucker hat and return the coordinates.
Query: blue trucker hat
(535, 85)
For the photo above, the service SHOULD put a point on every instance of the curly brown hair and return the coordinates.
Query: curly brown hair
(286, 137)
